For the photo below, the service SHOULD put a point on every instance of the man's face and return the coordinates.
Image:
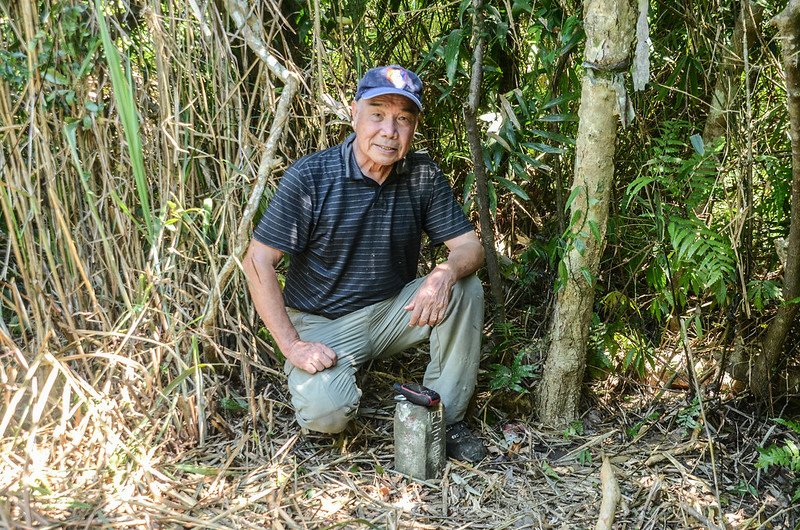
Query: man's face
(384, 127)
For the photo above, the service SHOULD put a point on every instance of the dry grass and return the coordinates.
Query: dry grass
(265, 474)
(131, 391)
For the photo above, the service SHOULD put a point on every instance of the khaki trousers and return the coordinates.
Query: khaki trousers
(327, 400)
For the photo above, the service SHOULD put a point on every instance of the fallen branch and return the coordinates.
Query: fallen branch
(611, 496)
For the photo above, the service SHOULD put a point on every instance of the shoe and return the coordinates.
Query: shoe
(462, 445)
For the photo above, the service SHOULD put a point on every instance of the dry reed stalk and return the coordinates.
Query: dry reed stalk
(116, 313)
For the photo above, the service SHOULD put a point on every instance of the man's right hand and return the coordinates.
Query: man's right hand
(312, 357)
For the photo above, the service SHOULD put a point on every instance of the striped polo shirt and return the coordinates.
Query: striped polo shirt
(352, 241)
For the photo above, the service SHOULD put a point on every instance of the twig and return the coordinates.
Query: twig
(594, 441)
(699, 516)
(700, 401)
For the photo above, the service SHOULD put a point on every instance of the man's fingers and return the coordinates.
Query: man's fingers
(327, 361)
(313, 357)
(415, 317)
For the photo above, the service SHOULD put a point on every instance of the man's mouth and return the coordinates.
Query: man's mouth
(386, 149)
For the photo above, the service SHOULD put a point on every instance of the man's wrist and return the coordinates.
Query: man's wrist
(447, 269)
(287, 346)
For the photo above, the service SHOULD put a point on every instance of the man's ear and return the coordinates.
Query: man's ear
(353, 112)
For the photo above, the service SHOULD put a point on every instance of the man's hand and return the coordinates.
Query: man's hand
(429, 304)
(312, 357)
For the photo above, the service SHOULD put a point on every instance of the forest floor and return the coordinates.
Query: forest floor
(273, 476)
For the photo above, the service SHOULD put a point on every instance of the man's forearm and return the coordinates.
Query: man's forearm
(268, 300)
(259, 267)
(463, 260)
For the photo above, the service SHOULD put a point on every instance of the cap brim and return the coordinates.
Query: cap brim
(382, 91)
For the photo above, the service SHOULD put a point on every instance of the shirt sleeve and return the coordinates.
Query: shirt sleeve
(445, 219)
(286, 223)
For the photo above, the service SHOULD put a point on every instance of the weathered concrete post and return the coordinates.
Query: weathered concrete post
(419, 440)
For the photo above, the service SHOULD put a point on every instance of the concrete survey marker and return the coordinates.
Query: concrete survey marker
(419, 440)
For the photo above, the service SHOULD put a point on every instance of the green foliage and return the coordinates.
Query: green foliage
(786, 456)
(511, 377)
(689, 417)
(233, 403)
(685, 256)
(126, 106)
(616, 346)
(703, 257)
(574, 429)
(634, 431)
(761, 292)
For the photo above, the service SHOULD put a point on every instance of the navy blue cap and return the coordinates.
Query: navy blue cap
(392, 79)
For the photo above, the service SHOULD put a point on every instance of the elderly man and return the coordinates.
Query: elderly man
(351, 218)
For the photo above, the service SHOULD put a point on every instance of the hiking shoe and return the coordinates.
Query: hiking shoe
(462, 445)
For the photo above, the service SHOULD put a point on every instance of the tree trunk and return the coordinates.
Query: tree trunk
(609, 26)
(730, 71)
(476, 150)
(788, 22)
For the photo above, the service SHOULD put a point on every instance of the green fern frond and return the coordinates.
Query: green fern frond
(787, 456)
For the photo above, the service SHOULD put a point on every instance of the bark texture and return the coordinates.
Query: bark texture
(476, 151)
(609, 26)
(788, 23)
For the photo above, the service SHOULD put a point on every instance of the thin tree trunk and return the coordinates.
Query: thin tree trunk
(609, 26)
(252, 31)
(788, 22)
(476, 150)
(733, 62)
(730, 71)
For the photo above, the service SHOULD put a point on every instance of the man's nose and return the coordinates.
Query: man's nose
(390, 128)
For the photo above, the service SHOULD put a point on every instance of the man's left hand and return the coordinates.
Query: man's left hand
(429, 304)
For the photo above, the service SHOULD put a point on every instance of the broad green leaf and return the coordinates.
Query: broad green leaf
(595, 230)
(572, 196)
(558, 118)
(561, 99)
(451, 53)
(544, 148)
(462, 9)
(514, 188)
(509, 112)
(502, 141)
(697, 143)
(552, 136)
(55, 77)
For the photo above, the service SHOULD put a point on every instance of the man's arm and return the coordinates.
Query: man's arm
(259, 267)
(429, 305)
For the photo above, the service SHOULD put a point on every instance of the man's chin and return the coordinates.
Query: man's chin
(385, 160)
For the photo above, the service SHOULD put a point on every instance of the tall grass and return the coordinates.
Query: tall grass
(126, 106)
(104, 360)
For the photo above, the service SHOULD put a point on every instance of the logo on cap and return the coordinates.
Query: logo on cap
(399, 78)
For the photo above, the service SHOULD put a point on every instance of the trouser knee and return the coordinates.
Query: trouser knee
(326, 401)
(330, 422)
(469, 289)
